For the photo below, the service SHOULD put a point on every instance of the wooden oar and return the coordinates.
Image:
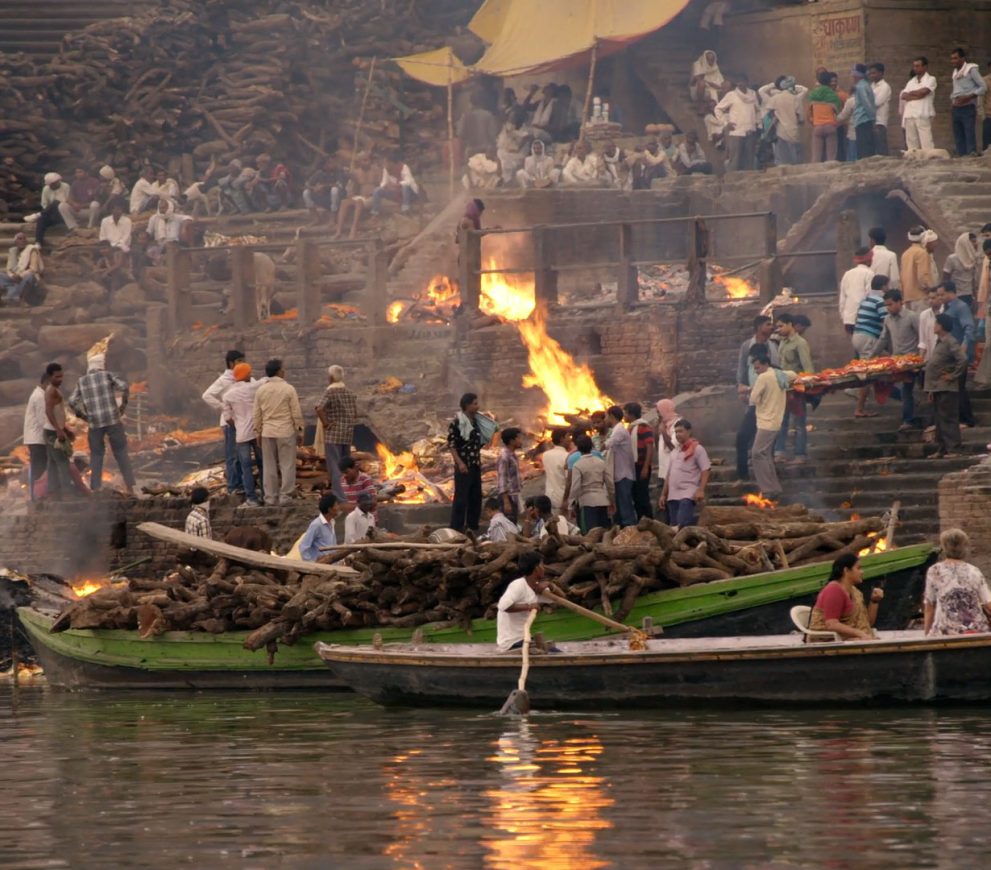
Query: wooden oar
(638, 640)
(518, 702)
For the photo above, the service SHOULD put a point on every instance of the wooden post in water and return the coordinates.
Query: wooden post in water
(307, 288)
(375, 283)
(243, 287)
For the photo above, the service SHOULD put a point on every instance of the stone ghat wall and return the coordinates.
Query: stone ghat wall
(965, 503)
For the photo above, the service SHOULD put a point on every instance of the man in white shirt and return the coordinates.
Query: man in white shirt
(238, 413)
(690, 158)
(786, 101)
(360, 520)
(538, 168)
(214, 397)
(882, 103)
(521, 597)
(927, 323)
(555, 462)
(582, 168)
(738, 110)
(883, 261)
(53, 195)
(144, 194)
(854, 286)
(918, 106)
(501, 528)
(116, 228)
(34, 434)
(397, 184)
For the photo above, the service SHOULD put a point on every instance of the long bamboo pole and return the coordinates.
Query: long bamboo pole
(361, 113)
(588, 89)
(450, 133)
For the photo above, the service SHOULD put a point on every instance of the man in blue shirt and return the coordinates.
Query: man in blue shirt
(968, 86)
(964, 332)
(864, 113)
(321, 532)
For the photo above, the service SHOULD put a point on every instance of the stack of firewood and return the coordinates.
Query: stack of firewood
(410, 582)
(211, 79)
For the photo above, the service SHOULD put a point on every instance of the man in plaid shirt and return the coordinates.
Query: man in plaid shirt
(338, 410)
(95, 401)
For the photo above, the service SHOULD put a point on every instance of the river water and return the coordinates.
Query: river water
(327, 780)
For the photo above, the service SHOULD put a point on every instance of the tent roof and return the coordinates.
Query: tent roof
(528, 36)
(439, 67)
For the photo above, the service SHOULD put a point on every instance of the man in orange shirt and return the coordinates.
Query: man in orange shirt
(916, 267)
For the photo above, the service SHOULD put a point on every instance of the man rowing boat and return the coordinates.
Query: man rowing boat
(520, 597)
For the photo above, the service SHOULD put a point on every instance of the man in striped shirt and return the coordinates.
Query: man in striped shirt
(867, 330)
(354, 481)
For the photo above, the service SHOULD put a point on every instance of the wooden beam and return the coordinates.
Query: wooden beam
(238, 554)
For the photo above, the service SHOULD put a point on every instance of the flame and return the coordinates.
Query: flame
(569, 386)
(395, 311)
(759, 501)
(402, 468)
(442, 290)
(878, 545)
(736, 288)
(290, 314)
(86, 587)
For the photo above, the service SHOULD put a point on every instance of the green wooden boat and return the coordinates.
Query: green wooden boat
(755, 605)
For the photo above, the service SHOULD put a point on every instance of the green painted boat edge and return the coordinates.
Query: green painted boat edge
(193, 650)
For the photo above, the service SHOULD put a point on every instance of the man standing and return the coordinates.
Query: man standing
(642, 441)
(214, 397)
(589, 488)
(927, 323)
(34, 433)
(918, 105)
(687, 478)
(984, 280)
(864, 113)
(508, 484)
(338, 410)
(279, 424)
(95, 400)
(58, 437)
(883, 261)
(900, 336)
(468, 433)
(882, 102)
(738, 110)
(916, 270)
(788, 107)
(968, 86)
(942, 378)
(239, 413)
(986, 125)
(866, 331)
(620, 461)
(360, 520)
(769, 397)
(963, 331)
(796, 357)
(24, 268)
(555, 462)
(198, 519)
(745, 377)
(854, 286)
(321, 532)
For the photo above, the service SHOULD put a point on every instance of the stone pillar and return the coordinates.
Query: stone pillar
(308, 301)
(470, 263)
(243, 299)
(847, 241)
(177, 263)
(544, 274)
(628, 285)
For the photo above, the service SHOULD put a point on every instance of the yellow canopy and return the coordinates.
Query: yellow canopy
(529, 36)
(440, 67)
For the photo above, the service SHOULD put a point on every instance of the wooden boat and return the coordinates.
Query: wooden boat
(759, 604)
(899, 667)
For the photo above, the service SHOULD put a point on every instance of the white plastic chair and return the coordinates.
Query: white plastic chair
(800, 614)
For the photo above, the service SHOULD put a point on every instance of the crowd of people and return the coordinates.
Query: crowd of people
(595, 475)
(848, 120)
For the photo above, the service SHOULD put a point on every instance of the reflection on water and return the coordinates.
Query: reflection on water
(311, 780)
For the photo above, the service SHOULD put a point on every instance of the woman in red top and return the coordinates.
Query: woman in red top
(840, 605)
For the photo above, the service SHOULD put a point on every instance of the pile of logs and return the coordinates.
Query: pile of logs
(405, 583)
(202, 79)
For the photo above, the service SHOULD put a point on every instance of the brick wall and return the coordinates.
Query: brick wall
(965, 503)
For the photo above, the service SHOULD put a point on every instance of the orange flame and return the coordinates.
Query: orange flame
(736, 288)
(87, 587)
(402, 468)
(878, 545)
(569, 386)
(759, 501)
(442, 290)
(395, 311)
